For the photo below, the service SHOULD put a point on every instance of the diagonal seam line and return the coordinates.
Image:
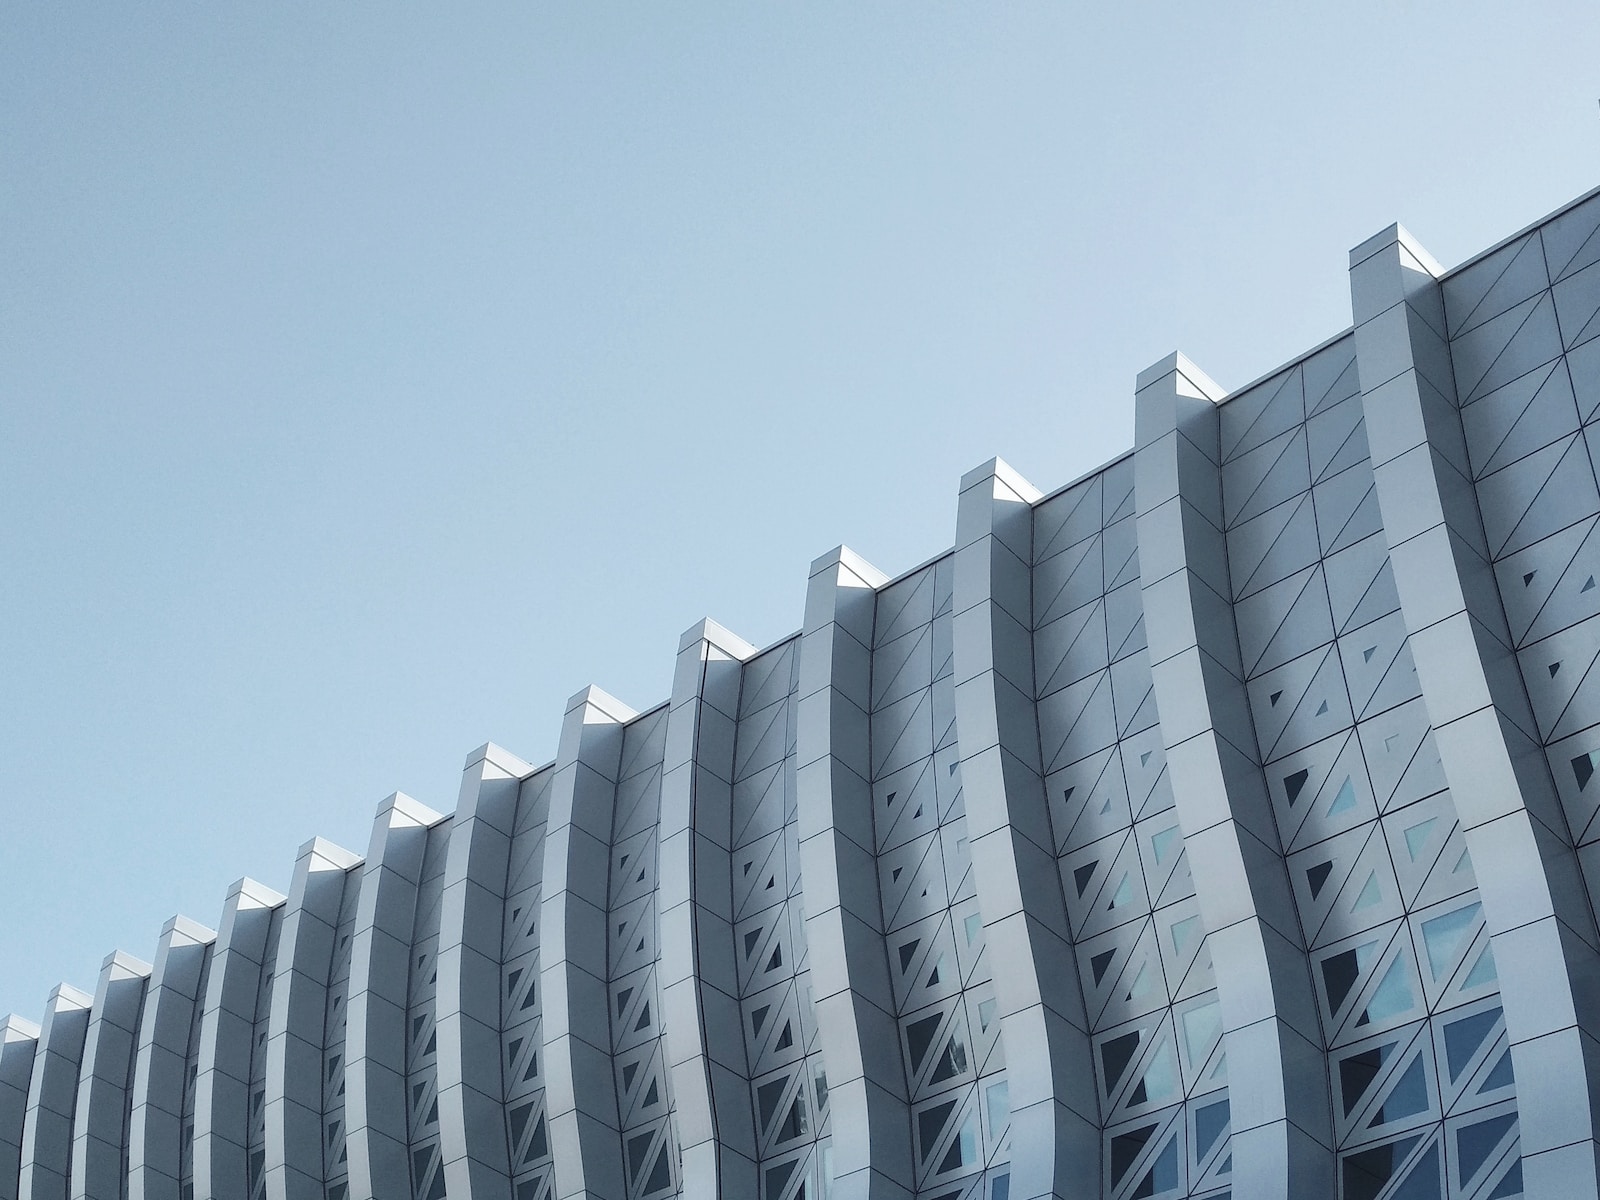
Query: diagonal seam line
(1050, 546)
(1298, 701)
(1489, 462)
(1117, 655)
(1533, 306)
(1333, 546)
(1466, 322)
(1067, 580)
(1250, 671)
(1108, 515)
(1083, 630)
(1566, 266)
(1110, 580)
(1104, 681)
(888, 835)
(1566, 569)
(1300, 502)
(1378, 687)
(922, 701)
(774, 780)
(1579, 336)
(1578, 687)
(741, 763)
(1288, 444)
(1529, 507)
(1327, 469)
(1244, 435)
(905, 662)
(1313, 409)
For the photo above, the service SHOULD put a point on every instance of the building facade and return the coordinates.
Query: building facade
(1221, 824)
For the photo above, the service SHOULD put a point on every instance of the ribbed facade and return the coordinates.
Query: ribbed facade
(1221, 824)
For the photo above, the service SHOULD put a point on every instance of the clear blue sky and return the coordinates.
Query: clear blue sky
(373, 377)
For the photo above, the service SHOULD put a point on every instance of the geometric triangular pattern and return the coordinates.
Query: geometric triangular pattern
(1577, 299)
(1497, 282)
(1261, 414)
(1266, 476)
(934, 941)
(788, 1085)
(1373, 844)
(1346, 508)
(1278, 622)
(1361, 583)
(1139, 942)
(1547, 490)
(1561, 681)
(1273, 546)
(1377, 666)
(1545, 587)
(1299, 703)
(1330, 376)
(1402, 760)
(521, 998)
(1525, 415)
(1336, 438)
(1570, 241)
(422, 1043)
(1505, 347)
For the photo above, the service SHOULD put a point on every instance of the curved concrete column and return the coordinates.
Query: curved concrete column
(870, 1114)
(522, 1120)
(700, 984)
(380, 951)
(1055, 1118)
(471, 1131)
(295, 1024)
(19, 1040)
(53, 1096)
(161, 1060)
(1282, 1129)
(1535, 905)
(99, 1128)
(240, 963)
(581, 1091)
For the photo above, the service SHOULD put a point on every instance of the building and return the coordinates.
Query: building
(1222, 823)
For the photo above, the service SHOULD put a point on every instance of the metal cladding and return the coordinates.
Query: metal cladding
(1221, 824)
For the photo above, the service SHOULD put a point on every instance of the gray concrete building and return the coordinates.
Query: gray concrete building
(1222, 823)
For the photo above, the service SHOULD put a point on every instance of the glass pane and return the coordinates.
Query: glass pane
(919, 1036)
(1474, 1143)
(1408, 1097)
(1444, 935)
(1462, 1039)
(1366, 1172)
(1393, 997)
(1209, 1122)
(998, 1100)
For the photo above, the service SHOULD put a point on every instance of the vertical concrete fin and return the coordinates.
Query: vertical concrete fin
(99, 1128)
(471, 935)
(1537, 911)
(46, 1167)
(870, 1113)
(292, 1103)
(1055, 1120)
(522, 1124)
(376, 1103)
(700, 985)
(19, 1043)
(232, 1064)
(1282, 1133)
(581, 1091)
(162, 1059)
